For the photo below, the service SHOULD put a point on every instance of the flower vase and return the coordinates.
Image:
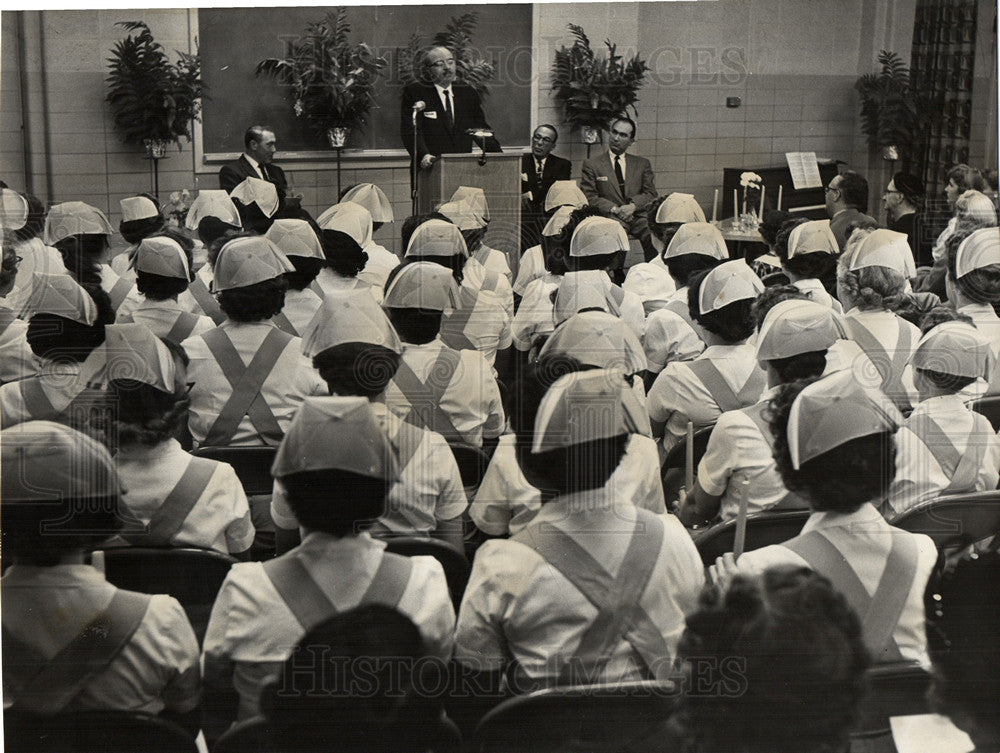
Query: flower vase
(337, 137)
(155, 148)
(589, 134)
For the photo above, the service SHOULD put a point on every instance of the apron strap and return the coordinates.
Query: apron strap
(283, 323)
(302, 595)
(889, 365)
(246, 381)
(710, 376)
(51, 685)
(6, 319)
(36, 400)
(182, 328)
(169, 517)
(119, 292)
(425, 399)
(204, 298)
(390, 580)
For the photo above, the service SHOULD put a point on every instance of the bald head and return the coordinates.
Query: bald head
(439, 66)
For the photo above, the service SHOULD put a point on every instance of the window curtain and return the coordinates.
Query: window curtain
(941, 67)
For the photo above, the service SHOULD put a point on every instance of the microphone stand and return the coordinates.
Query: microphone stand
(414, 169)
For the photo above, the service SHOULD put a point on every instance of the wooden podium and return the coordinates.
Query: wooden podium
(500, 179)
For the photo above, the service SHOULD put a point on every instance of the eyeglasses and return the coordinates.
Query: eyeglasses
(887, 192)
(448, 61)
(543, 139)
(832, 188)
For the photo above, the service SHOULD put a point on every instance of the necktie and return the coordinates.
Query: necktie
(539, 166)
(263, 171)
(447, 109)
(620, 176)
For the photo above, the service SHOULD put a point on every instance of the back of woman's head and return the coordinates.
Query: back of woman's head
(841, 479)
(306, 270)
(54, 337)
(334, 501)
(254, 303)
(981, 285)
(963, 625)
(343, 254)
(782, 640)
(771, 297)
(146, 415)
(82, 256)
(357, 368)
(732, 323)
(357, 678)
(873, 288)
(685, 266)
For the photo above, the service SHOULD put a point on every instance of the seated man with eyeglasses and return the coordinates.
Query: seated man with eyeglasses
(539, 170)
(846, 202)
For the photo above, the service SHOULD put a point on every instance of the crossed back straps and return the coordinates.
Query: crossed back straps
(49, 685)
(246, 381)
(425, 397)
(620, 617)
(169, 517)
(727, 399)
(311, 606)
(962, 468)
(283, 323)
(879, 612)
(182, 327)
(889, 365)
(204, 298)
(791, 500)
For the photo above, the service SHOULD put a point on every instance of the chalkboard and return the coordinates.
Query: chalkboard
(233, 40)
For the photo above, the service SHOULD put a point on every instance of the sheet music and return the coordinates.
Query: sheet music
(804, 169)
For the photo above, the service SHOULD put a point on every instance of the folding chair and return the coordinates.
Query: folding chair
(579, 718)
(456, 566)
(89, 731)
(956, 520)
(472, 464)
(894, 689)
(262, 735)
(191, 575)
(763, 529)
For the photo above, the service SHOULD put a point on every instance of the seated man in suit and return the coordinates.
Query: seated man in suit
(846, 200)
(450, 110)
(539, 170)
(257, 161)
(621, 185)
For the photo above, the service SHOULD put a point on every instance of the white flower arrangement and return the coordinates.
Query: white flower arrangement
(750, 180)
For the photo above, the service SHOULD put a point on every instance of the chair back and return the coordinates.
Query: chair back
(763, 529)
(677, 454)
(989, 407)
(262, 735)
(578, 718)
(894, 689)
(90, 731)
(252, 465)
(472, 464)
(956, 520)
(456, 567)
(191, 575)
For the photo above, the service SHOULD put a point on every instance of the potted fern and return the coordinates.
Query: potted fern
(331, 80)
(470, 68)
(890, 108)
(153, 101)
(592, 88)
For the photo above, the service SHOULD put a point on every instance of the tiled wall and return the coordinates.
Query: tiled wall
(792, 62)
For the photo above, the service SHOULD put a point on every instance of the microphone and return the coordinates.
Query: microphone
(418, 106)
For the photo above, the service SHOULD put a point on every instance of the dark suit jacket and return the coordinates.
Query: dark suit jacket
(600, 186)
(840, 222)
(433, 134)
(234, 173)
(555, 168)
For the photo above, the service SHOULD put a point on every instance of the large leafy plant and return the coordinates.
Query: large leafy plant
(331, 80)
(470, 68)
(593, 89)
(890, 106)
(151, 98)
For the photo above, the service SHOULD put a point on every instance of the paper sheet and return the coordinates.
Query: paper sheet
(928, 733)
(804, 170)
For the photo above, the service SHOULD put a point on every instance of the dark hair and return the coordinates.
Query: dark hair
(343, 254)
(784, 639)
(963, 621)
(334, 501)
(950, 383)
(842, 478)
(473, 236)
(211, 229)
(455, 263)
(992, 177)
(317, 696)
(770, 298)
(134, 231)
(254, 303)
(8, 266)
(60, 339)
(909, 188)
(556, 247)
(416, 326)
(41, 532)
(592, 263)
(967, 178)
(854, 190)
(659, 228)
(685, 266)
(412, 222)
(307, 268)
(35, 223)
(939, 315)
(815, 265)
(213, 247)
(624, 119)
(159, 287)
(980, 285)
(774, 219)
(732, 322)
(357, 368)
(255, 133)
(146, 415)
(81, 255)
(800, 366)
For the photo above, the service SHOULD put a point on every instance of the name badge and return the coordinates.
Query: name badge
(602, 177)
(430, 114)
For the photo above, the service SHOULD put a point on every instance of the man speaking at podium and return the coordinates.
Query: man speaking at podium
(444, 111)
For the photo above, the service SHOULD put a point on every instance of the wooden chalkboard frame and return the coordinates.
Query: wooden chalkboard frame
(207, 162)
